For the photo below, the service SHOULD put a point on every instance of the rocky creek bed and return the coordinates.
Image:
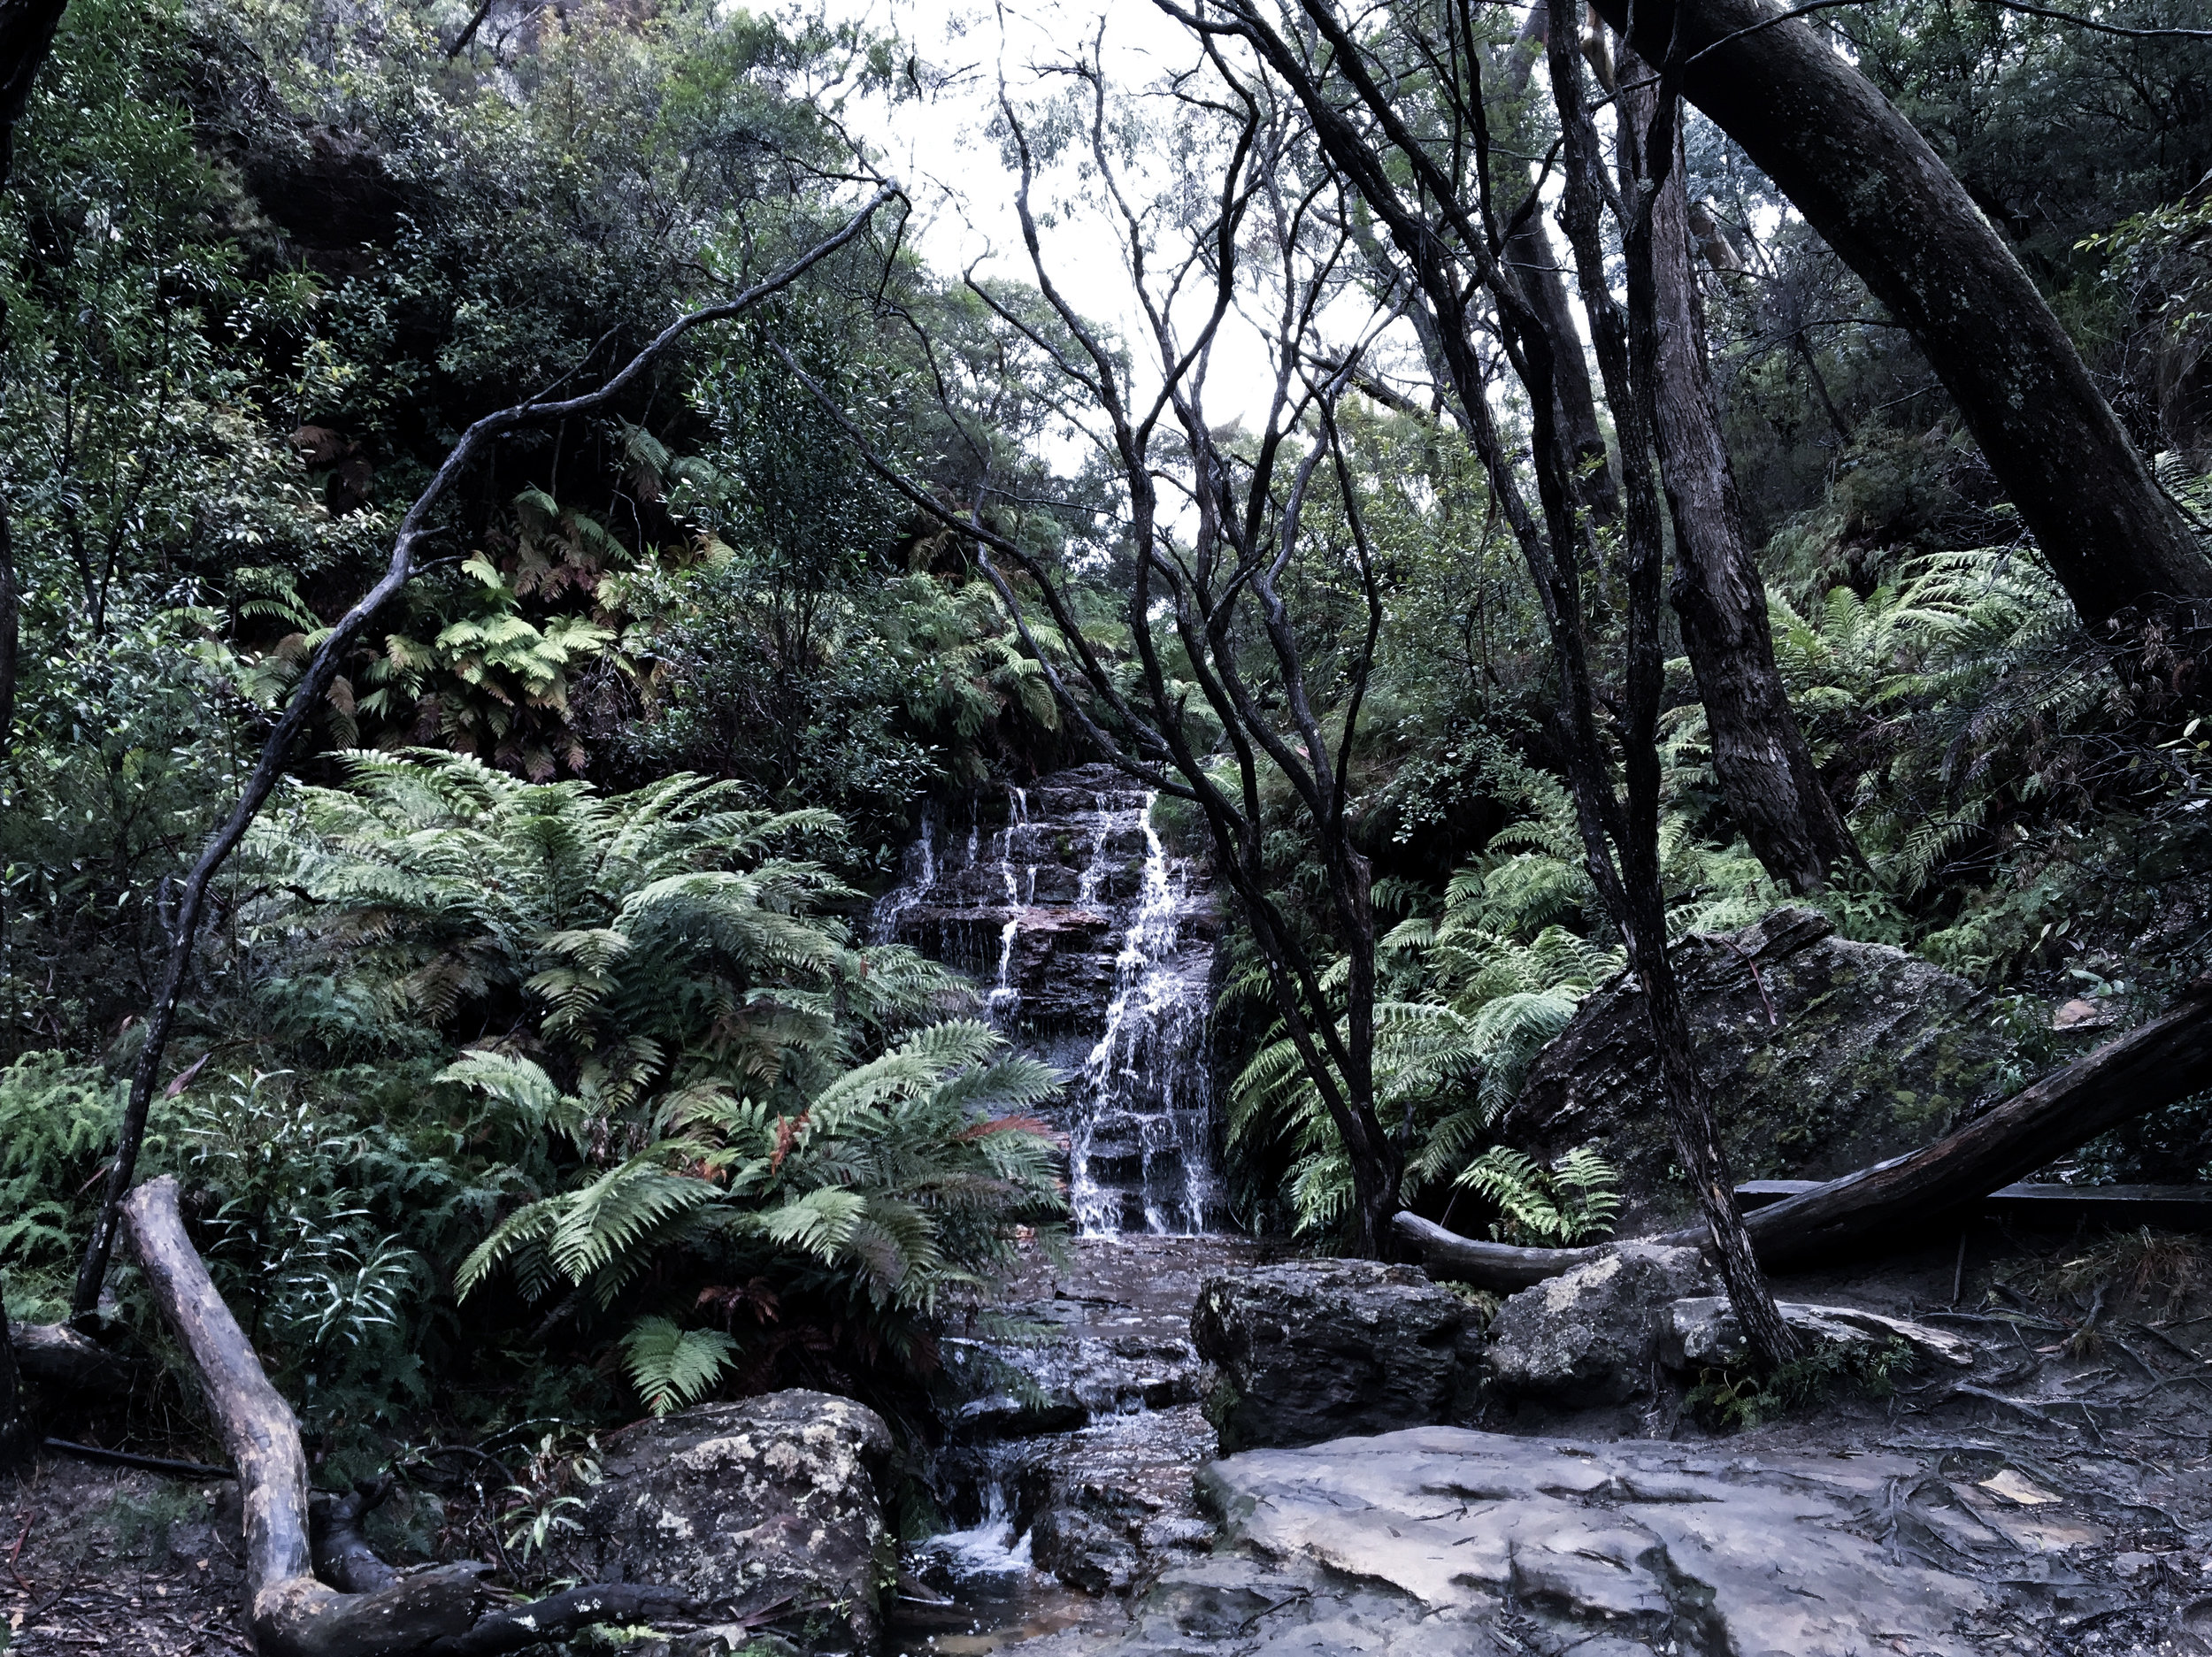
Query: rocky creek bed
(2026, 1500)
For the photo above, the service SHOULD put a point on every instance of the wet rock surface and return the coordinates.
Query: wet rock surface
(769, 1511)
(1438, 1541)
(1591, 1336)
(1308, 1350)
(1072, 1461)
(1442, 1540)
(1823, 1055)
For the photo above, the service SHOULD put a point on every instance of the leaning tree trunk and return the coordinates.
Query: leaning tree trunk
(446, 1611)
(2153, 1065)
(1867, 180)
(289, 1613)
(1767, 775)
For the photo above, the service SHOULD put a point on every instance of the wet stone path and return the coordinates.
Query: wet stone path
(1069, 1471)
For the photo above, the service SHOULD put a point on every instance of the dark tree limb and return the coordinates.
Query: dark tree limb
(27, 35)
(468, 31)
(2153, 1065)
(57, 1358)
(16, 1434)
(131, 1458)
(558, 1616)
(344, 1557)
(414, 529)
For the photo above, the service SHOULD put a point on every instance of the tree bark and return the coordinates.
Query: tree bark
(1767, 775)
(1529, 254)
(10, 625)
(54, 1356)
(27, 35)
(1627, 343)
(2155, 1065)
(16, 1434)
(1867, 180)
(289, 1611)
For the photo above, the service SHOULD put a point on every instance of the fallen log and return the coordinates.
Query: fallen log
(2122, 1208)
(2156, 1063)
(290, 1612)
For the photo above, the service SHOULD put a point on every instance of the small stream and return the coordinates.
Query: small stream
(1067, 1470)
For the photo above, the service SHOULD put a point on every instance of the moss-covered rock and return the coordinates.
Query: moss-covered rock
(768, 1510)
(1822, 1054)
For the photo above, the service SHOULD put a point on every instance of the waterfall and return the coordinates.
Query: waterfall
(1147, 1100)
(1094, 947)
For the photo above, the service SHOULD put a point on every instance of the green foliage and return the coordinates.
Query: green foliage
(56, 1120)
(668, 1366)
(1734, 1397)
(1575, 1200)
(1453, 1053)
(645, 981)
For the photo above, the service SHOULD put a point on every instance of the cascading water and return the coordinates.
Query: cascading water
(1096, 946)
(1147, 1132)
(1093, 947)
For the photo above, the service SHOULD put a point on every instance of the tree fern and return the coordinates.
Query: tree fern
(744, 1087)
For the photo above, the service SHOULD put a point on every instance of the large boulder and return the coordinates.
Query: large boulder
(1822, 1056)
(769, 1510)
(1591, 1336)
(1326, 1348)
(1440, 1542)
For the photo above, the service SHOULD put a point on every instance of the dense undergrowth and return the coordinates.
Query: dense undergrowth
(536, 1069)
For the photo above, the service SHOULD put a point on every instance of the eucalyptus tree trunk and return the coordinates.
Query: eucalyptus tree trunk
(1529, 255)
(1767, 775)
(1867, 180)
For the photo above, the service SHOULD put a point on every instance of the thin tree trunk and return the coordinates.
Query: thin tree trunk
(1766, 772)
(1628, 354)
(10, 625)
(16, 1434)
(1873, 187)
(1530, 256)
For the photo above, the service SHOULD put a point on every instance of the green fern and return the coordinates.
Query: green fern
(672, 1367)
(1575, 1200)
